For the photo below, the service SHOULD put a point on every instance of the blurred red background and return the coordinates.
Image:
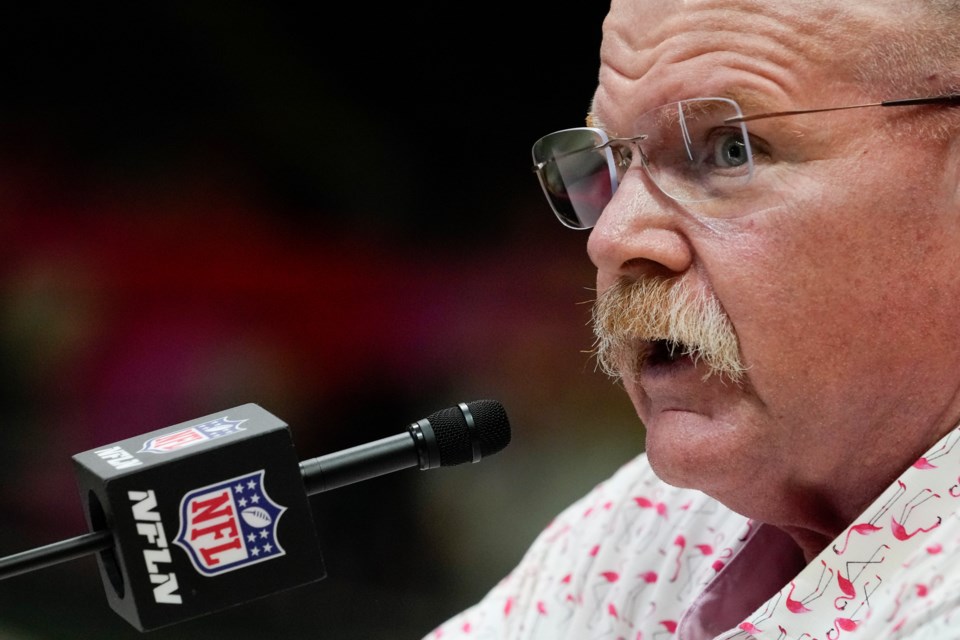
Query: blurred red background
(328, 213)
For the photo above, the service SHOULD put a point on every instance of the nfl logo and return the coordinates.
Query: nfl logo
(190, 436)
(229, 525)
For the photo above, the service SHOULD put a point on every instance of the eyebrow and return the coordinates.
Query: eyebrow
(749, 101)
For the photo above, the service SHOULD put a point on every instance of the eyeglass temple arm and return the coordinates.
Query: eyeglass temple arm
(953, 98)
(906, 102)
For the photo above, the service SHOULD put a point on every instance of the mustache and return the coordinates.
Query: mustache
(633, 314)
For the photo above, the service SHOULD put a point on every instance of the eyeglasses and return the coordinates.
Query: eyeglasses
(692, 150)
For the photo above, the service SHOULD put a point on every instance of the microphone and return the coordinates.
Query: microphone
(465, 433)
(230, 486)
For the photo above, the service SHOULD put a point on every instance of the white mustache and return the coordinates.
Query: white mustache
(632, 313)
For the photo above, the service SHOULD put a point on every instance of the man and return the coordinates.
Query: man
(779, 294)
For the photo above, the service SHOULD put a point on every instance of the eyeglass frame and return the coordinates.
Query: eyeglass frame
(951, 99)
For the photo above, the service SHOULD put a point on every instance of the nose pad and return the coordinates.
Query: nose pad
(621, 162)
(625, 154)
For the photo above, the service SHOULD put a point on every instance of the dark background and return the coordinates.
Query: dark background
(328, 211)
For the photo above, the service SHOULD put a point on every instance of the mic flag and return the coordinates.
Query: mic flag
(204, 515)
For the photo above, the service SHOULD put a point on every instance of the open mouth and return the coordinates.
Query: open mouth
(666, 352)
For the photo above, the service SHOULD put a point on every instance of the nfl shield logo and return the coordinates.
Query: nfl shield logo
(229, 525)
(190, 436)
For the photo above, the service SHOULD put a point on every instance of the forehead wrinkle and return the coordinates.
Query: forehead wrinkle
(685, 35)
(780, 48)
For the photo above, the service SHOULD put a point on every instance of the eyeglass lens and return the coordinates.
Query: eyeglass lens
(577, 175)
(688, 151)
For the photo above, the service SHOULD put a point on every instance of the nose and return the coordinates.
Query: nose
(638, 235)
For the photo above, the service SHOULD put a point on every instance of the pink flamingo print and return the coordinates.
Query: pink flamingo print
(923, 590)
(795, 606)
(681, 542)
(863, 529)
(866, 528)
(942, 450)
(846, 585)
(566, 597)
(898, 527)
(669, 628)
(600, 591)
(541, 614)
(897, 603)
(722, 558)
(644, 529)
(800, 606)
(841, 624)
(647, 578)
(848, 590)
(900, 532)
(766, 614)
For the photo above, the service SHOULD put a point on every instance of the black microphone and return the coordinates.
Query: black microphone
(227, 493)
(465, 433)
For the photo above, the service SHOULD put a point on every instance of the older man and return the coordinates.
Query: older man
(778, 290)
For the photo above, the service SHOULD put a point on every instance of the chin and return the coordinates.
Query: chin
(693, 451)
(679, 471)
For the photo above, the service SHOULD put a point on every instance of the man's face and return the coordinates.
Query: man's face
(840, 274)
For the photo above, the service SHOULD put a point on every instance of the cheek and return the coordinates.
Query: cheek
(842, 240)
(842, 283)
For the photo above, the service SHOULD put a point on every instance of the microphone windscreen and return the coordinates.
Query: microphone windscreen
(491, 428)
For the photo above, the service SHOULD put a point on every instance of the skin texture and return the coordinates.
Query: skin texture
(839, 273)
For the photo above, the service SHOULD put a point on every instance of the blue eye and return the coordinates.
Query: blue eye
(730, 150)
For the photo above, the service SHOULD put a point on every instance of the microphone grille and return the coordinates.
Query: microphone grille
(491, 427)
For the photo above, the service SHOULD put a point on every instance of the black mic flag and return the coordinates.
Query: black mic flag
(214, 512)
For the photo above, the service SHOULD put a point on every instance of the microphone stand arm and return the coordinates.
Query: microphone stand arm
(55, 553)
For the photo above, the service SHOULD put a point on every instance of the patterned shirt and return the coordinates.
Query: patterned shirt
(637, 559)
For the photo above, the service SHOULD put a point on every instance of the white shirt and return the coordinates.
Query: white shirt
(637, 559)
